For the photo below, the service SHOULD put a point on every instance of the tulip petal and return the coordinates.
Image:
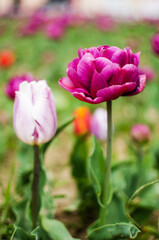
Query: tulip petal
(108, 52)
(112, 74)
(72, 74)
(128, 87)
(140, 87)
(110, 93)
(99, 81)
(84, 98)
(45, 123)
(74, 64)
(23, 121)
(101, 63)
(136, 59)
(130, 73)
(85, 70)
(119, 57)
(67, 84)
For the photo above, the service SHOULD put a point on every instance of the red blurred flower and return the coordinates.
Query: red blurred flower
(7, 58)
(82, 120)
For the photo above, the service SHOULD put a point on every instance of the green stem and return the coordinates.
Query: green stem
(35, 186)
(140, 164)
(106, 186)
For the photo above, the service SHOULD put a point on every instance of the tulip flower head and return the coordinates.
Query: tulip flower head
(7, 58)
(103, 73)
(140, 133)
(82, 120)
(13, 84)
(155, 43)
(34, 118)
(98, 125)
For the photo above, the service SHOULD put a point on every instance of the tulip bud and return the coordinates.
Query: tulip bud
(35, 117)
(82, 120)
(99, 124)
(140, 133)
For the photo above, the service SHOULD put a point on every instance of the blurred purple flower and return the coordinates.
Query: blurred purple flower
(155, 43)
(14, 82)
(55, 30)
(98, 125)
(105, 23)
(148, 71)
(140, 133)
(36, 21)
(103, 73)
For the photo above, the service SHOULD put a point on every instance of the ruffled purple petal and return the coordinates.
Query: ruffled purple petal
(98, 82)
(130, 73)
(72, 74)
(108, 52)
(67, 84)
(140, 86)
(85, 70)
(101, 63)
(110, 93)
(119, 57)
(112, 74)
(74, 64)
(82, 97)
(136, 59)
(128, 87)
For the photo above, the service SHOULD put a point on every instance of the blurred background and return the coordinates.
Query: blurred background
(40, 38)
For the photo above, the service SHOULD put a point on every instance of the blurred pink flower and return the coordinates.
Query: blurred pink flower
(13, 84)
(55, 30)
(155, 43)
(103, 73)
(140, 133)
(36, 21)
(148, 71)
(105, 23)
(34, 119)
(98, 125)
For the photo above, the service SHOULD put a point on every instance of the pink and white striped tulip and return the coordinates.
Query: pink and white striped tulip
(35, 119)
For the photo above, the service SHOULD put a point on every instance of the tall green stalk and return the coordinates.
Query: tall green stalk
(106, 185)
(35, 186)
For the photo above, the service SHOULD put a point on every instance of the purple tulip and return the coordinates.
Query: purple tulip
(98, 125)
(103, 73)
(155, 43)
(140, 133)
(34, 113)
(148, 71)
(14, 82)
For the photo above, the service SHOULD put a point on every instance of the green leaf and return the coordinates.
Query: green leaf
(56, 229)
(19, 234)
(135, 200)
(96, 169)
(59, 129)
(118, 231)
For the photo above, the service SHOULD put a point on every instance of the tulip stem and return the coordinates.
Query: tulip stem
(106, 185)
(35, 186)
(140, 164)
